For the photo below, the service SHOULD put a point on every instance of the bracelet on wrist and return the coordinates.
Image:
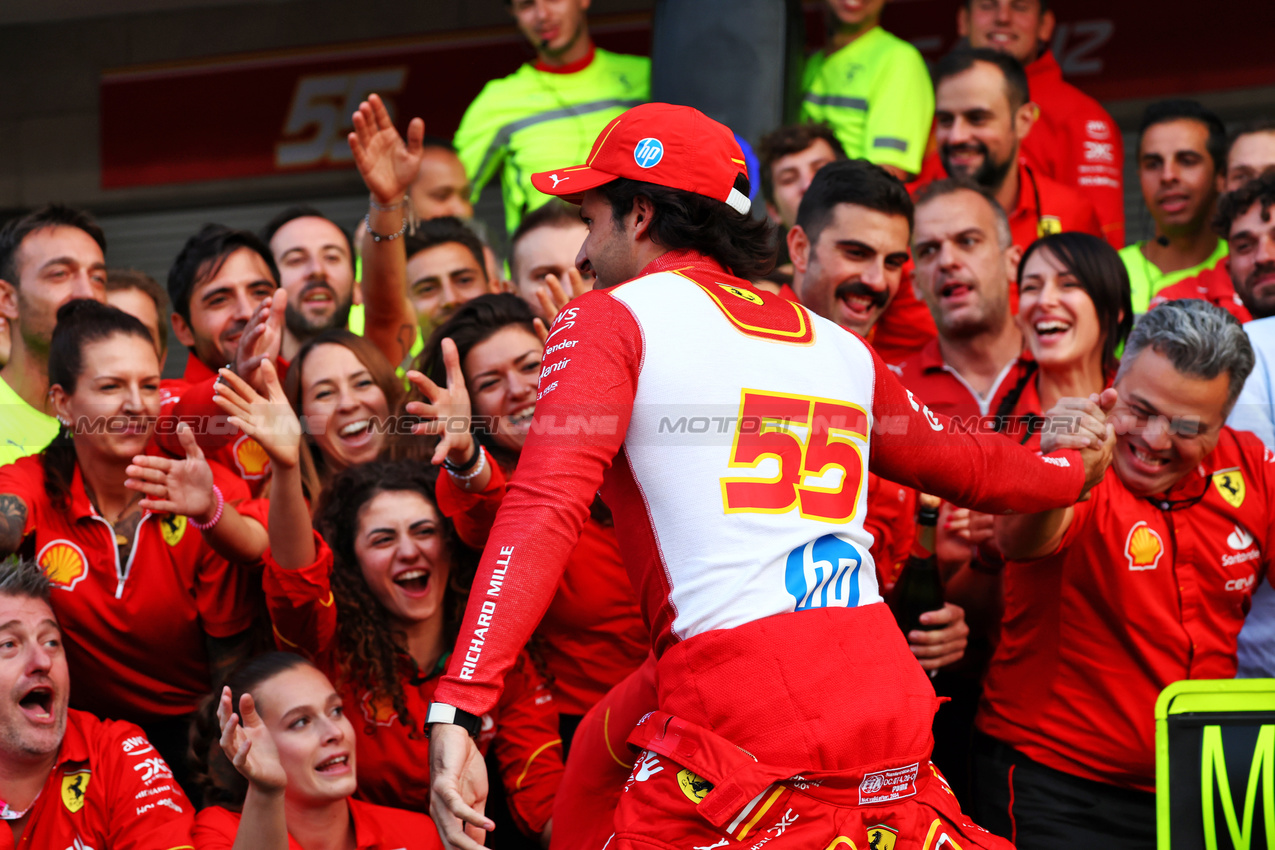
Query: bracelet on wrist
(477, 470)
(383, 237)
(216, 517)
(467, 465)
(379, 207)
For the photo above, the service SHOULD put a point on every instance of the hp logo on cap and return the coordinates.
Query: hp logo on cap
(648, 153)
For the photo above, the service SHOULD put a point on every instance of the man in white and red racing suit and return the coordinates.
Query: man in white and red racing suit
(730, 432)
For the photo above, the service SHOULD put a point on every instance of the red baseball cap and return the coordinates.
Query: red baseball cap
(674, 146)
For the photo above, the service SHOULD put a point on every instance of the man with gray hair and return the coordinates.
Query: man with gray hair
(1109, 601)
(70, 779)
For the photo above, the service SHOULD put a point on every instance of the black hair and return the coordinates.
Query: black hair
(222, 784)
(851, 181)
(80, 323)
(432, 141)
(49, 215)
(1164, 111)
(202, 257)
(556, 213)
(23, 578)
(294, 213)
(962, 183)
(791, 139)
(1232, 205)
(439, 231)
(1044, 5)
(122, 280)
(683, 221)
(1102, 274)
(960, 60)
(475, 321)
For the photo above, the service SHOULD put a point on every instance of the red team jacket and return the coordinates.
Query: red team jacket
(375, 828)
(1075, 142)
(172, 590)
(1212, 285)
(593, 634)
(726, 537)
(393, 758)
(1140, 593)
(109, 788)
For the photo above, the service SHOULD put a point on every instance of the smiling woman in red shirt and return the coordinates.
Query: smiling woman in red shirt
(376, 604)
(126, 580)
(592, 636)
(285, 730)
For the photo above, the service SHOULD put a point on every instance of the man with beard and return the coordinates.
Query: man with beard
(47, 257)
(316, 267)
(1074, 140)
(549, 109)
(983, 112)
(69, 779)
(1182, 170)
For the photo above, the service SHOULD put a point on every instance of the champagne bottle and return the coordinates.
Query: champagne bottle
(920, 587)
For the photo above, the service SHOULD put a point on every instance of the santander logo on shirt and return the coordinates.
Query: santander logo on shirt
(1242, 542)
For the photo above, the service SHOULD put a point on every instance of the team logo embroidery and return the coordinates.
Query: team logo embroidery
(251, 458)
(556, 180)
(751, 297)
(1143, 547)
(648, 153)
(1097, 129)
(64, 563)
(882, 837)
(1230, 486)
(1048, 225)
(74, 786)
(379, 712)
(882, 786)
(172, 527)
(695, 787)
(1239, 539)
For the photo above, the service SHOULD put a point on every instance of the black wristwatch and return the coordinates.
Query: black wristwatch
(441, 712)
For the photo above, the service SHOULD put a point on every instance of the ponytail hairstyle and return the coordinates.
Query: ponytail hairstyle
(80, 323)
(222, 784)
(370, 652)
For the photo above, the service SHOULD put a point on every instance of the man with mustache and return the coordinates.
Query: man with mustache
(315, 259)
(1182, 170)
(69, 779)
(982, 115)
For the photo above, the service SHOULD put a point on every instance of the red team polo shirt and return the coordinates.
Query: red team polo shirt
(593, 633)
(109, 790)
(1136, 597)
(1075, 142)
(949, 394)
(1212, 285)
(375, 828)
(393, 758)
(134, 630)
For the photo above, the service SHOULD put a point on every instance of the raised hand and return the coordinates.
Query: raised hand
(447, 413)
(457, 788)
(268, 419)
(182, 487)
(262, 338)
(388, 165)
(553, 297)
(248, 744)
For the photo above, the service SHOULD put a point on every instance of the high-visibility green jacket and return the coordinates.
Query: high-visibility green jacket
(1146, 281)
(538, 120)
(876, 94)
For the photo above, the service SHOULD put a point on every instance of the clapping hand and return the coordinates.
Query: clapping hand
(248, 744)
(268, 419)
(388, 165)
(181, 487)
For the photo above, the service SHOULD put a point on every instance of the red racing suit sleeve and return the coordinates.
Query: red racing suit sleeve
(547, 502)
(528, 746)
(472, 513)
(991, 473)
(148, 810)
(302, 608)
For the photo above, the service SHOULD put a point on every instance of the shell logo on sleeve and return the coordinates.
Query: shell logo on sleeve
(251, 458)
(1143, 547)
(64, 563)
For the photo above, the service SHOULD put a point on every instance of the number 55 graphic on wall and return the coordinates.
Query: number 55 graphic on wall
(809, 438)
(320, 114)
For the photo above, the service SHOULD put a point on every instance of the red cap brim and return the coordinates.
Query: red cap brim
(570, 183)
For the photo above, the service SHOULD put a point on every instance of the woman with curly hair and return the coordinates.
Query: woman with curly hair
(486, 359)
(377, 604)
(279, 767)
